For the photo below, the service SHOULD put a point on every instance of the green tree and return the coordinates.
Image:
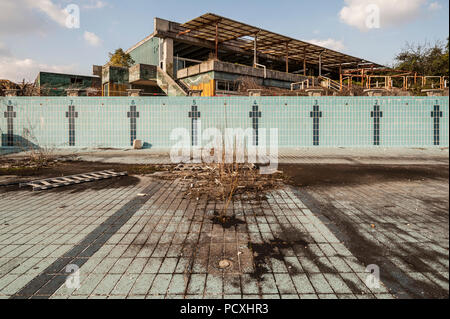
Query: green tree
(120, 58)
(425, 59)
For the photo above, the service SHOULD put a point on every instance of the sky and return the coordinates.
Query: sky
(38, 35)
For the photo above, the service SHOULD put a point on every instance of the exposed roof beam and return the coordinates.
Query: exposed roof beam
(267, 40)
(209, 44)
(190, 50)
(210, 22)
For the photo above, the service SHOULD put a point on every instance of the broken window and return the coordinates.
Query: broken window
(76, 81)
(226, 86)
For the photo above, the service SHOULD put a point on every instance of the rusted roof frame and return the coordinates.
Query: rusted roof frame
(211, 33)
(208, 22)
(266, 40)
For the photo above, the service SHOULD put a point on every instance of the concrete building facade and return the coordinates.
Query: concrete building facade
(56, 84)
(216, 56)
(192, 56)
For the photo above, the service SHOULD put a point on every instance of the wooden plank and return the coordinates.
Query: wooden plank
(88, 176)
(97, 175)
(34, 185)
(104, 173)
(61, 181)
(77, 177)
(71, 180)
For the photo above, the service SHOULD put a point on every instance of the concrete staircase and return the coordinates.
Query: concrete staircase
(330, 84)
(169, 85)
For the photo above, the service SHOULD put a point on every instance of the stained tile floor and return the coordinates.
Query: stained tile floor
(148, 241)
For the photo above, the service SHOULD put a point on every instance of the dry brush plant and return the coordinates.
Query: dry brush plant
(38, 156)
(224, 180)
(22, 89)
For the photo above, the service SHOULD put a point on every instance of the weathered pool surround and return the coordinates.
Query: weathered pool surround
(83, 122)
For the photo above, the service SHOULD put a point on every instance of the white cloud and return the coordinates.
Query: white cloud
(15, 19)
(434, 6)
(15, 69)
(92, 38)
(4, 51)
(54, 12)
(28, 16)
(392, 12)
(329, 44)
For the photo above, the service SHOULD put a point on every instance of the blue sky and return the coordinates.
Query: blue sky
(33, 35)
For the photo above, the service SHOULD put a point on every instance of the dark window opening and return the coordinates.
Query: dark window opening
(76, 81)
(227, 86)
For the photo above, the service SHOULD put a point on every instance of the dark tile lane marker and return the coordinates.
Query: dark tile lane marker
(54, 276)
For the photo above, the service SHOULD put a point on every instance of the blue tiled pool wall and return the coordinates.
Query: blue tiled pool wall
(82, 122)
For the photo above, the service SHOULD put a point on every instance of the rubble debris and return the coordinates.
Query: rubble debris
(226, 221)
(225, 181)
(137, 144)
(225, 264)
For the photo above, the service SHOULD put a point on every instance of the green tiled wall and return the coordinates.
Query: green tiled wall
(344, 122)
(147, 53)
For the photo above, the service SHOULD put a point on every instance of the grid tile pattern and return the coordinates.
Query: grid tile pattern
(170, 248)
(301, 121)
(32, 240)
(409, 236)
(281, 246)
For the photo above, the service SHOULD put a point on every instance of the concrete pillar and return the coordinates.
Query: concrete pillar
(255, 50)
(134, 92)
(315, 92)
(167, 56)
(374, 92)
(73, 92)
(10, 92)
(254, 92)
(195, 92)
(433, 92)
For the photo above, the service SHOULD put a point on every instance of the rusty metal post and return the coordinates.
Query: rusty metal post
(217, 41)
(362, 78)
(320, 62)
(287, 57)
(304, 61)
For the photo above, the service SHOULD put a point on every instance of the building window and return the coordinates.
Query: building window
(76, 81)
(226, 86)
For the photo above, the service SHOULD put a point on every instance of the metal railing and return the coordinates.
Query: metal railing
(262, 66)
(305, 84)
(330, 84)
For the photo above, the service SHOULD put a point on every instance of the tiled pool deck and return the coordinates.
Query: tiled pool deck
(288, 245)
